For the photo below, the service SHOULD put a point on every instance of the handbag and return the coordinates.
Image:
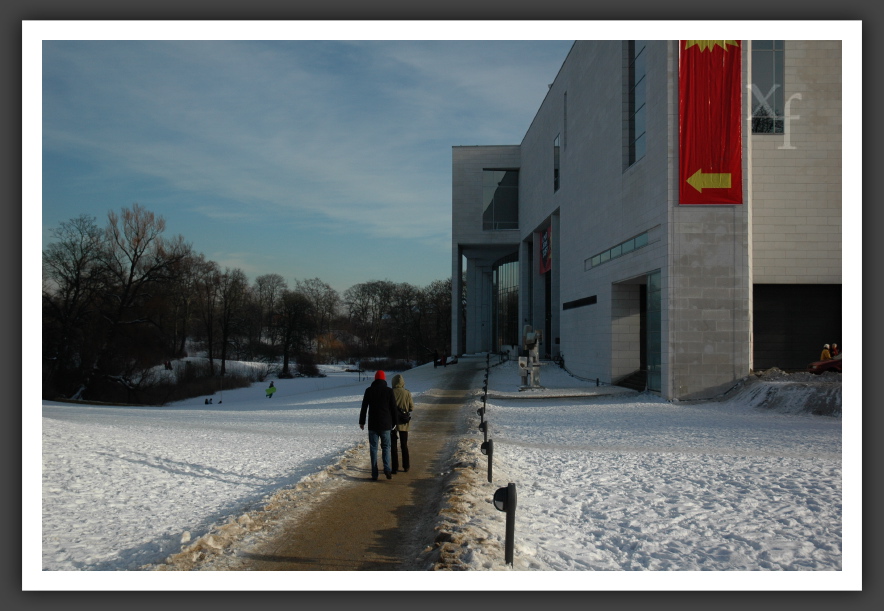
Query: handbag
(404, 417)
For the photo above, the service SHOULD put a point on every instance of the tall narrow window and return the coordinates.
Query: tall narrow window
(556, 164)
(767, 86)
(505, 302)
(500, 192)
(565, 121)
(636, 118)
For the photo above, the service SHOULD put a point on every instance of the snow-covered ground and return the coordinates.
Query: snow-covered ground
(659, 495)
(636, 483)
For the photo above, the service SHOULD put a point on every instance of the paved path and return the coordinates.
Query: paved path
(384, 524)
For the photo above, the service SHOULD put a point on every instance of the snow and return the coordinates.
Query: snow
(744, 492)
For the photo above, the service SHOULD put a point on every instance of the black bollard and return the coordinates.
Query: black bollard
(505, 500)
(488, 450)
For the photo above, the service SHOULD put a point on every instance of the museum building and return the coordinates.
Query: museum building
(671, 219)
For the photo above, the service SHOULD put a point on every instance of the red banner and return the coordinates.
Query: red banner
(710, 142)
(545, 250)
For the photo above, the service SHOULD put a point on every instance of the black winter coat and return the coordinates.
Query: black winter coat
(380, 403)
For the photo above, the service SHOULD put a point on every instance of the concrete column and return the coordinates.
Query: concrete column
(456, 291)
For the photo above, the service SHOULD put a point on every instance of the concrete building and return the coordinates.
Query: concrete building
(581, 231)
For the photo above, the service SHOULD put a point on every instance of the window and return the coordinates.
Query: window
(617, 251)
(636, 117)
(556, 164)
(767, 86)
(500, 196)
(505, 302)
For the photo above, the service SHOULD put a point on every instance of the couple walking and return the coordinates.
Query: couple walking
(389, 411)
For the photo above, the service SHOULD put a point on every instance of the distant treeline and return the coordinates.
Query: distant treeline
(121, 299)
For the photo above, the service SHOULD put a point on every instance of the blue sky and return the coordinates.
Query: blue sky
(322, 158)
(307, 149)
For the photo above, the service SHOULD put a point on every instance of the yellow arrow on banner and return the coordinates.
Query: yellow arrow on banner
(701, 181)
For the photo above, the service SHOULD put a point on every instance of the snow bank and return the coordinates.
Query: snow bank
(789, 393)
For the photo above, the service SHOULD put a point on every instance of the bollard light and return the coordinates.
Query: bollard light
(505, 500)
(488, 450)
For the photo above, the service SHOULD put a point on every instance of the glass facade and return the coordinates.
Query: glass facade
(505, 302)
(500, 196)
(636, 118)
(767, 86)
(655, 331)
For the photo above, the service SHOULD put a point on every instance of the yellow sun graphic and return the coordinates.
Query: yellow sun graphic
(709, 44)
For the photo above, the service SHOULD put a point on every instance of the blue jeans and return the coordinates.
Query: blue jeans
(373, 450)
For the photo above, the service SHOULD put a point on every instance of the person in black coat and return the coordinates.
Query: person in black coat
(379, 404)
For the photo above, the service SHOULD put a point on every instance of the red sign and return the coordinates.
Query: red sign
(546, 250)
(710, 139)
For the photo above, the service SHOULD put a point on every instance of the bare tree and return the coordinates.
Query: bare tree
(404, 319)
(435, 306)
(232, 292)
(368, 306)
(182, 295)
(296, 330)
(135, 259)
(208, 285)
(72, 281)
(325, 302)
(268, 289)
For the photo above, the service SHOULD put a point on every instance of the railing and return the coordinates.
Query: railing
(560, 361)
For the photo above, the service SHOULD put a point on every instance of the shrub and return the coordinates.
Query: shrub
(307, 367)
(385, 364)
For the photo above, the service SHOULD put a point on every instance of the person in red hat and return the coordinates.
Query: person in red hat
(379, 406)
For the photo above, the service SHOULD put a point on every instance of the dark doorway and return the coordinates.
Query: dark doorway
(792, 322)
(547, 319)
(643, 327)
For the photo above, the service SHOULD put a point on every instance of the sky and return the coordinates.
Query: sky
(739, 494)
(306, 158)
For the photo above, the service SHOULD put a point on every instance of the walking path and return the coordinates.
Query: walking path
(383, 524)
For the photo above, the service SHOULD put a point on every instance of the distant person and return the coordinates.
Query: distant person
(405, 405)
(270, 390)
(835, 350)
(435, 358)
(825, 355)
(380, 404)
